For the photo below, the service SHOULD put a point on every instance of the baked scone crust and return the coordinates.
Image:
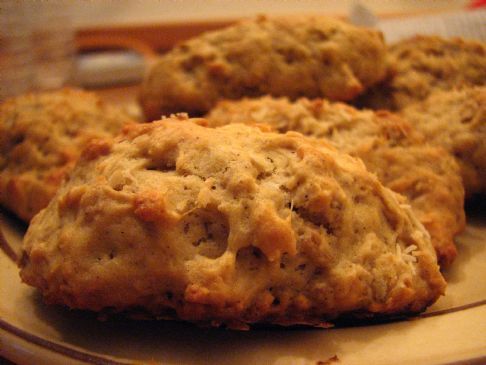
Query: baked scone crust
(299, 56)
(387, 144)
(41, 136)
(456, 120)
(422, 64)
(230, 225)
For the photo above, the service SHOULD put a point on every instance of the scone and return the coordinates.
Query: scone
(41, 136)
(456, 120)
(298, 56)
(423, 64)
(228, 226)
(388, 146)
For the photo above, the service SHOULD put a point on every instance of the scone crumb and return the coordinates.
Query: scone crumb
(97, 148)
(273, 235)
(150, 206)
(408, 255)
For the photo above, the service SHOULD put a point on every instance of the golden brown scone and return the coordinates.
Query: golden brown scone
(298, 56)
(388, 146)
(422, 64)
(230, 225)
(456, 120)
(41, 136)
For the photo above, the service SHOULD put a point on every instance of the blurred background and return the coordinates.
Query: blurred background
(129, 11)
(108, 44)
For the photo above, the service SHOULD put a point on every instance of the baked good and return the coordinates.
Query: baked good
(228, 226)
(422, 64)
(299, 56)
(41, 136)
(388, 146)
(456, 120)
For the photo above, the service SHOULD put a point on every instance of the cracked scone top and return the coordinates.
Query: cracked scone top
(456, 121)
(423, 64)
(299, 56)
(388, 145)
(41, 136)
(229, 225)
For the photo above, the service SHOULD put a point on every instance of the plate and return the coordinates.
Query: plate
(452, 331)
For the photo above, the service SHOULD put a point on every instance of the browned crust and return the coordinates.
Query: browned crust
(422, 64)
(41, 138)
(299, 56)
(389, 146)
(229, 226)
